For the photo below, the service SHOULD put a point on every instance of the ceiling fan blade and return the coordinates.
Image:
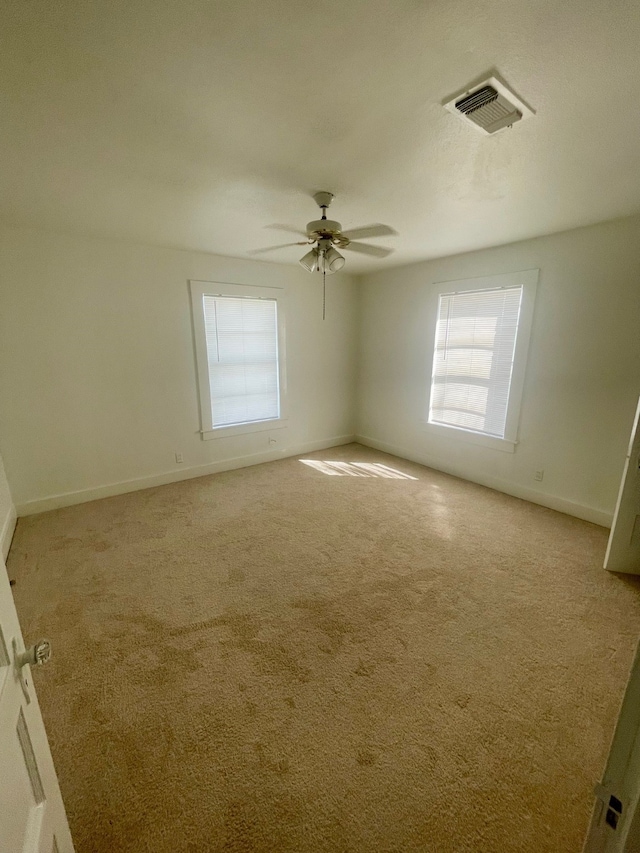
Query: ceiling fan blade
(273, 248)
(365, 249)
(369, 231)
(290, 229)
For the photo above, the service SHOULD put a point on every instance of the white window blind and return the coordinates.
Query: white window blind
(473, 359)
(242, 355)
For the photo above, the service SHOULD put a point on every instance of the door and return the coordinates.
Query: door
(615, 824)
(623, 549)
(32, 816)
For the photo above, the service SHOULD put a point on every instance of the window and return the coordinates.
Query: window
(481, 343)
(238, 331)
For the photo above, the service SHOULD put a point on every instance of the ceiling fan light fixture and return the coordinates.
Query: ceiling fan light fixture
(327, 234)
(310, 260)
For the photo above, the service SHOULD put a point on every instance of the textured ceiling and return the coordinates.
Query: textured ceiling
(196, 123)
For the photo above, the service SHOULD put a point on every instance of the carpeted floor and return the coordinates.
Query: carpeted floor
(309, 658)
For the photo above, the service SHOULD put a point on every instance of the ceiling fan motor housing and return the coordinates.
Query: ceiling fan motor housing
(319, 228)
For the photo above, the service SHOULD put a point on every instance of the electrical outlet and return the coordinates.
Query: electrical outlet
(539, 475)
(179, 457)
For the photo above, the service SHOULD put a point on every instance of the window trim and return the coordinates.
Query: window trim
(528, 279)
(198, 289)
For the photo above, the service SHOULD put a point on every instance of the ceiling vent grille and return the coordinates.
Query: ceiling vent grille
(489, 106)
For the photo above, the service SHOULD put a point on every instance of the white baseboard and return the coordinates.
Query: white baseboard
(120, 488)
(586, 513)
(7, 530)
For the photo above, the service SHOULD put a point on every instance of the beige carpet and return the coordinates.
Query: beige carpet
(296, 658)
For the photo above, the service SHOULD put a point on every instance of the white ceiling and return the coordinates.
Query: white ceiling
(197, 123)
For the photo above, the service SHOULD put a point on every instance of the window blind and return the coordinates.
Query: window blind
(242, 355)
(473, 359)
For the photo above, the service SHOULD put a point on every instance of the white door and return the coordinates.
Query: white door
(32, 816)
(615, 824)
(623, 550)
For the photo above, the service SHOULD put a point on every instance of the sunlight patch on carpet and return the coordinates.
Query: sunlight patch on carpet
(357, 469)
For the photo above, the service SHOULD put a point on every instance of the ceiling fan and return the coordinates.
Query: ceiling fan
(326, 236)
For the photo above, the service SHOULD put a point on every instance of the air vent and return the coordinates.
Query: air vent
(489, 106)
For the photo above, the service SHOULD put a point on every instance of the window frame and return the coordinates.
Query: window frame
(528, 280)
(198, 289)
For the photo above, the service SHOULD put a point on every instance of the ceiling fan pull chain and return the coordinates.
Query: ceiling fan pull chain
(324, 294)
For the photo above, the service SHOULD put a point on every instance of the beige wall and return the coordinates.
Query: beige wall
(583, 373)
(97, 371)
(97, 375)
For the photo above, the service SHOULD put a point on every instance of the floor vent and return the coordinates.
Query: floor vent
(490, 106)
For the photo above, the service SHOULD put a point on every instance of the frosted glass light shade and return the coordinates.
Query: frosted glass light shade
(333, 260)
(310, 260)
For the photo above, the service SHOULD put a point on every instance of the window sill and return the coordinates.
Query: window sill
(459, 434)
(244, 429)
